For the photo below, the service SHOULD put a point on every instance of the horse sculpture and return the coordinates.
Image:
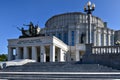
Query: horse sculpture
(33, 31)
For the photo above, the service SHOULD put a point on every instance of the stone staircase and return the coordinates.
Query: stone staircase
(59, 67)
(59, 71)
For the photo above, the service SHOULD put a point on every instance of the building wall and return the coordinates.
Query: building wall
(117, 37)
(40, 49)
(72, 29)
(111, 60)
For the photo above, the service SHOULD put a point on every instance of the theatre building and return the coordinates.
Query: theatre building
(63, 38)
(41, 49)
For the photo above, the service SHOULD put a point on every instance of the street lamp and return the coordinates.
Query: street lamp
(88, 8)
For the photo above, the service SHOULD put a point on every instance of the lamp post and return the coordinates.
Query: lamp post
(88, 8)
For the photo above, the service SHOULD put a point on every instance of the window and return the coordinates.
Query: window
(59, 36)
(72, 38)
(65, 38)
(53, 34)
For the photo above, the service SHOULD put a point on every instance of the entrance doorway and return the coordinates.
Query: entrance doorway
(38, 53)
(47, 51)
(29, 53)
(21, 52)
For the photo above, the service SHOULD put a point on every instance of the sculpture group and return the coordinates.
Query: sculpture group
(33, 31)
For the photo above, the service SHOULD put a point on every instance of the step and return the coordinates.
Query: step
(60, 67)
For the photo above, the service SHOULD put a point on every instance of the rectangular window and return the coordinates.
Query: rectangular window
(60, 36)
(72, 38)
(53, 34)
(65, 38)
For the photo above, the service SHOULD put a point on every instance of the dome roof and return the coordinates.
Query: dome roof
(70, 18)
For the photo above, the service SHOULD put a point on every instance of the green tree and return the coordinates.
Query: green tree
(3, 57)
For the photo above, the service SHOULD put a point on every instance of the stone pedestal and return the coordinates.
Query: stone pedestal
(88, 53)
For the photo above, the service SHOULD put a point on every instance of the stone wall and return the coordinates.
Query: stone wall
(107, 59)
(110, 60)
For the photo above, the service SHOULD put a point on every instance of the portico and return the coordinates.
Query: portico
(41, 49)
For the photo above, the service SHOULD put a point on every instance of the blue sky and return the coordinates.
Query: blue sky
(15, 13)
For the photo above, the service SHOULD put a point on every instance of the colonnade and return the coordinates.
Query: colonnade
(42, 53)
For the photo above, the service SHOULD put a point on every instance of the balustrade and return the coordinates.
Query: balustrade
(105, 49)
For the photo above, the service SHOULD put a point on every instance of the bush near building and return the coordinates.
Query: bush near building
(3, 57)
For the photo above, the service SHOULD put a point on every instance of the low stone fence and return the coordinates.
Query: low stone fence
(105, 55)
(105, 49)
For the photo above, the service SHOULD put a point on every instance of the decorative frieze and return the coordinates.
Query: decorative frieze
(29, 41)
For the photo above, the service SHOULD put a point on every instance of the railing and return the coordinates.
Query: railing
(105, 49)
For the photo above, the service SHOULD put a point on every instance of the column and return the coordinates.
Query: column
(86, 39)
(69, 37)
(61, 56)
(89, 29)
(112, 38)
(25, 53)
(94, 36)
(52, 53)
(10, 54)
(34, 53)
(18, 53)
(99, 39)
(109, 39)
(77, 37)
(104, 38)
(77, 55)
(42, 54)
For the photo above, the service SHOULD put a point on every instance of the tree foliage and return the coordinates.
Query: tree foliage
(3, 57)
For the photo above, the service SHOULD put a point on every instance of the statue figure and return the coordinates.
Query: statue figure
(33, 31)
(23, 31)
(37, 30)
(31, 28)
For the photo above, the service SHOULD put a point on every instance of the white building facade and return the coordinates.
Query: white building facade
(65, 38)
(72, 29)
(40, 49)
